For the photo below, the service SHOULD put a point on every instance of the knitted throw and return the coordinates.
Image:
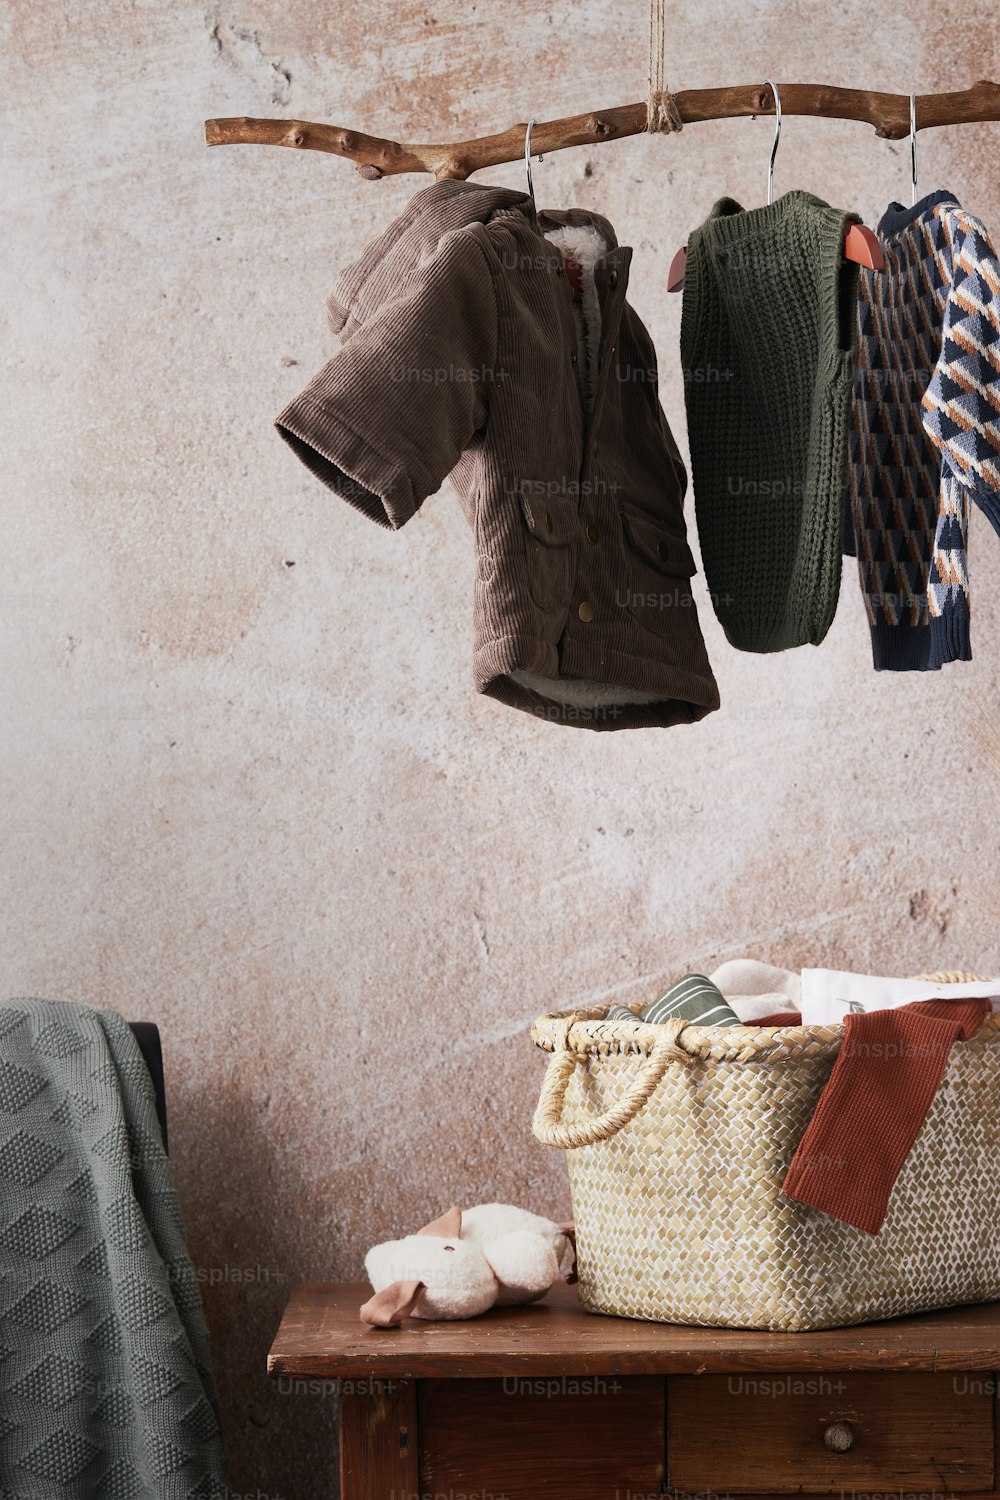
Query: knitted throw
(768, 346)
(925, 431)
(105, 1388)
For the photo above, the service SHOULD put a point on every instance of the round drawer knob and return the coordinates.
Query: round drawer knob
(839, 1436)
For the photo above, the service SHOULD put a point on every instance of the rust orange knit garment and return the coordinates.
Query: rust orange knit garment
(874, 1103)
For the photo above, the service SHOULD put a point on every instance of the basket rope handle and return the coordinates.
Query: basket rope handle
(547, 1123)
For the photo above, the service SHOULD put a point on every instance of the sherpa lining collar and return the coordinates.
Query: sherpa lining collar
(586, 245)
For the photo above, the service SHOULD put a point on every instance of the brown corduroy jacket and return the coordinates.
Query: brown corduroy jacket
(465, 354)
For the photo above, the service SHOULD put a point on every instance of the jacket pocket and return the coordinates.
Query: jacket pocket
(660, 567)
(551, 527)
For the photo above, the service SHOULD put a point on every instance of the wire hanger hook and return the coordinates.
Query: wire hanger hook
(913, 148)
(527, 158)
(777, 137)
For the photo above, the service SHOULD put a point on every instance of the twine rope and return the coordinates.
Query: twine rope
(662, 112)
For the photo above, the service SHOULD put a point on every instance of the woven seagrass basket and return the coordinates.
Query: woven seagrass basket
(678, 1138)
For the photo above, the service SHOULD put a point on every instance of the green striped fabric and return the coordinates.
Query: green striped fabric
(694, 997)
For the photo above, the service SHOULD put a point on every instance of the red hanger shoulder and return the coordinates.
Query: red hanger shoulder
(860, 245)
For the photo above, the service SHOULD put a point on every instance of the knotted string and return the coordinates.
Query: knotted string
(662, 113)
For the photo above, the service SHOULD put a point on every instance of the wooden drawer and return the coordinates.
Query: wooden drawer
(820, 1433)
(582, 1438)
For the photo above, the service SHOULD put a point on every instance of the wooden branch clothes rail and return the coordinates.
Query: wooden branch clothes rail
(375, 157)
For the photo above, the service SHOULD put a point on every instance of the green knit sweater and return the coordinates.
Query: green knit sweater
(768, 343)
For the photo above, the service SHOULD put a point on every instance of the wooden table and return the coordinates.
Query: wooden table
(550, 1401)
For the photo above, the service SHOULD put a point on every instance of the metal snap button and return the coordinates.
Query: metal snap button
(592, 533)
(586, 612)
(548, 521)
(613, 280)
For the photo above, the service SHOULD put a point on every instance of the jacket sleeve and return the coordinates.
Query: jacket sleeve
(386, 420)
(961, 406)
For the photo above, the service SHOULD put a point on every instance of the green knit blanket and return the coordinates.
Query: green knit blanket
(105, 1386)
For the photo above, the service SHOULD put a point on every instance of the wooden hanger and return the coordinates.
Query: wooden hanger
(860, 244)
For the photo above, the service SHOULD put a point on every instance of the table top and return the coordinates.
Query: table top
(321, 1335)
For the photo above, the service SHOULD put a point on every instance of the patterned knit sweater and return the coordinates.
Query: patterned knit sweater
(925, 430)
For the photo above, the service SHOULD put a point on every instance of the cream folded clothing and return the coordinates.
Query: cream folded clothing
(755, 990)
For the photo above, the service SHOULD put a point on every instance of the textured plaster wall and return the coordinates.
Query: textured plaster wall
(248, 792)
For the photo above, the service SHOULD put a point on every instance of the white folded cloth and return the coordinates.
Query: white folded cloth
(828, 995)
(824, 997)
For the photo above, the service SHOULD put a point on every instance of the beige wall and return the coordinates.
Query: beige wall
(259, 803)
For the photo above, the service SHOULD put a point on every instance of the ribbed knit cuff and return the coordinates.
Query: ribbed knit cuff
(346, 463)
(951, 635)
(903, 648)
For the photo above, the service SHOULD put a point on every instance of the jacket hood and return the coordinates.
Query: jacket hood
(383, 267)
